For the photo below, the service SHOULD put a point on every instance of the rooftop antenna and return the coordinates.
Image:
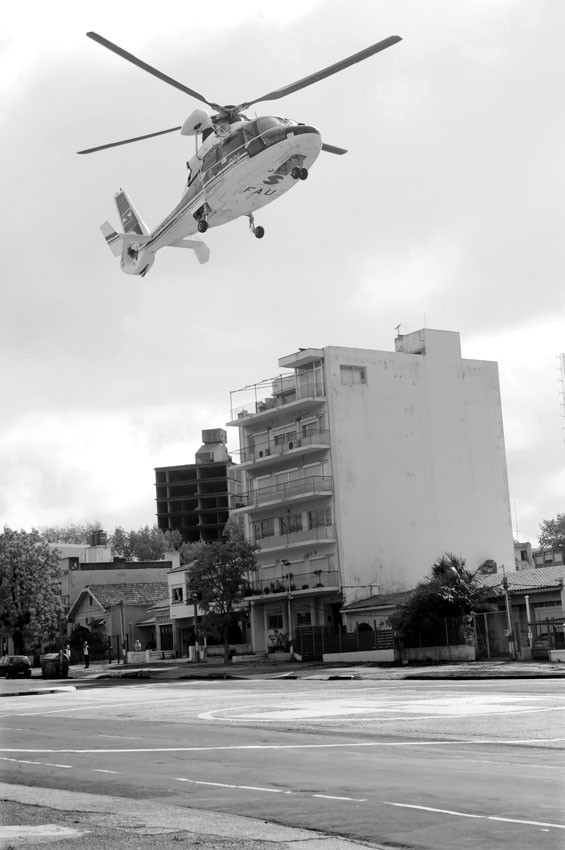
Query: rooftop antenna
(561, 367)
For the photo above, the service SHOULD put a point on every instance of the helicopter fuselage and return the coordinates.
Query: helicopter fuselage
(234, 175)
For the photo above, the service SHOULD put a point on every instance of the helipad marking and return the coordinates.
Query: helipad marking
(353, 707)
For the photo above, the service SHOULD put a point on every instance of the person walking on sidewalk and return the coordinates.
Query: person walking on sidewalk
(86, 655)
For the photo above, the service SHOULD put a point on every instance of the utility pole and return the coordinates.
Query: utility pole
(509, 631)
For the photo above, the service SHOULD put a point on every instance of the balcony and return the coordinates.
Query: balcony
(302, 488)
(284, 396)
(319, 581)
(266, 451)
(321, 534)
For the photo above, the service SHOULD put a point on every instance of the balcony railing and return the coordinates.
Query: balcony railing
(315, 484)
(288, 395)
(305, 535)
(315, 579)
(275, 448)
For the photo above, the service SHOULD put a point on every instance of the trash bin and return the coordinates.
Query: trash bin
(54, 665)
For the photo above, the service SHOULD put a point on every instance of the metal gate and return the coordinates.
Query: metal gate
(309, 642)
(490, 638)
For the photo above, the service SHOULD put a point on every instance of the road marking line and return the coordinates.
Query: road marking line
(100, 770)
(200, 782)
(51, 764)
(349, 799)
(351, 744)
(255, 788)
(469, 815)
(528, 822)
(24, 761)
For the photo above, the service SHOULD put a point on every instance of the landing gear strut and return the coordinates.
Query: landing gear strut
(257, 231)
(299, 173)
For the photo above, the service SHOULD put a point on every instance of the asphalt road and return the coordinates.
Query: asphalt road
(408, 764)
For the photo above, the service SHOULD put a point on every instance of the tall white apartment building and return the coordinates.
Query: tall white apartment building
(360, 468)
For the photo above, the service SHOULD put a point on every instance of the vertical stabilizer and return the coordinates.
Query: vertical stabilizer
(130, 218)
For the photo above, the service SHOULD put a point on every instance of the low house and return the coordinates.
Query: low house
(117, 611)
(535, 613)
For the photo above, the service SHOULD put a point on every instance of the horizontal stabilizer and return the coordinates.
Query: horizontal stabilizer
(200, 248)
(116, 241)
(112, 238)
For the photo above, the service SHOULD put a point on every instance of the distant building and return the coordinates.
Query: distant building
(194, 498)
(548, 557)
(360, 468)
(523, 556)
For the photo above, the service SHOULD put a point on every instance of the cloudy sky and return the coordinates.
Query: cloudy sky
(446, 212)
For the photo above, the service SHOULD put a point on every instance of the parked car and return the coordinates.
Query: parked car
(15, 665)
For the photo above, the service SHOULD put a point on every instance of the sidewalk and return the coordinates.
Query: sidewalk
(182, 669)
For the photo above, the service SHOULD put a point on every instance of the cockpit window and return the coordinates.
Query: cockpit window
(232, 143)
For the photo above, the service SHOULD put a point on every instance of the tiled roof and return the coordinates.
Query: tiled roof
(379, 600)
(521, 580)
(144, 593)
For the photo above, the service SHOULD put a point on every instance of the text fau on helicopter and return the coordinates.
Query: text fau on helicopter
(240, 165)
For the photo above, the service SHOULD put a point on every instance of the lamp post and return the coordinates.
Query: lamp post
(196, 644)
(289, 605)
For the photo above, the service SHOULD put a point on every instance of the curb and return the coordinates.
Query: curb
(40, 691)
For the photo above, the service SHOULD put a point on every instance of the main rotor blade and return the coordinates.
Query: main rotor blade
(129, 141)
(149, 68)
(333, 149)
(326, 72)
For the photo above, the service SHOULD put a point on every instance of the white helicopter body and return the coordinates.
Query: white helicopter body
(240, 166)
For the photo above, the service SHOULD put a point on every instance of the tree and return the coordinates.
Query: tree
(30, 589)
(145, 544)
(450, 590)
(552, 533)
(219, 577)
(76, 533)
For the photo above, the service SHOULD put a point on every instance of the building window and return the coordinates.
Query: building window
(275, 621)
(321, 516)
(353, 374)
(264, 528)
(177, 594)
(283, 439)
(304, 618)
(290, 523)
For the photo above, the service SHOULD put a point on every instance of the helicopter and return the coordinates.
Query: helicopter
(240, 165)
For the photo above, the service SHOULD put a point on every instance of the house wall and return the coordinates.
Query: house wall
(377, 656)
(440, 653)
(419, 463)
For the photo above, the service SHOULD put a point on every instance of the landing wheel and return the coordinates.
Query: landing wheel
(296, 173)
(259, 232)
(303, 173)
(202, 225)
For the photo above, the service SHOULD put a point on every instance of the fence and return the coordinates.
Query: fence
(450, 631)
(312, 642)
(547, 635)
